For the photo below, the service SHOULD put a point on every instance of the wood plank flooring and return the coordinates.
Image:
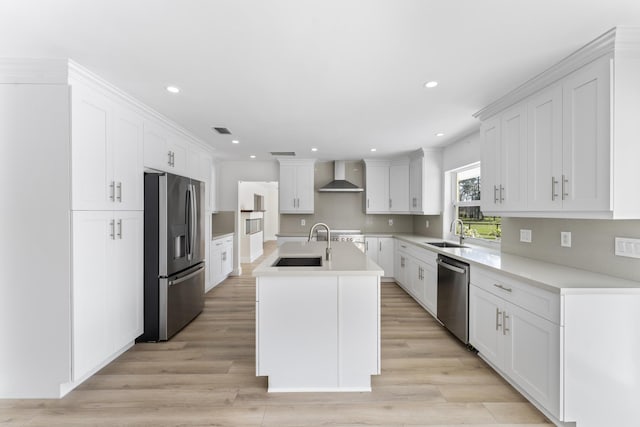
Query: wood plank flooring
(206, 376)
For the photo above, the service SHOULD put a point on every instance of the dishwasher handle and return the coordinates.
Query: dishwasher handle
(450, 267)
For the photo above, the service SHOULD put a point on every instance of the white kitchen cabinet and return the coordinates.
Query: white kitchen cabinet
(399, 186)
(430, 279)
(221, 259)
(504, 158)
(296, 186)
(425, 182)
(165, 149)
(381, 251)
(581, 137)
(401, 265)
(107, 152)
(376, 186)
(107, 286)
(415, 271)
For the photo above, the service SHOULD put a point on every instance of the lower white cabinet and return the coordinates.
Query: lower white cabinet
(523, 346)
(107, 291)
(381, 250)
(221, 259)
(416, 273)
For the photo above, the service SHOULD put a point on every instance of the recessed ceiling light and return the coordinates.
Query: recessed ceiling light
(431, 84)
(373, 149)
(235, 141)
(314, 149)
(439, 134)
(252, 156)
(173, 89)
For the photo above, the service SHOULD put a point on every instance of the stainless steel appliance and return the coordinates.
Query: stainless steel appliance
(453, 296)
(174, 266)
(354, 236)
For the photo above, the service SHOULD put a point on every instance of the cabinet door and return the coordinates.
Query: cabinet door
(544, 167)
(414, 277)
(586, 138)
(215, 262)
(179, 148)
(213, 188)
(400, 269)
(157, 154)
(532, 356)
(371, 248)
(377, 188)
(227, 258)
(93, 233)
(92, 182)
(399, 188)
(430, 280)
(415, 184)
(490, 143)
(485, 324)
(513, 159)
(304, 188)
(128, 160)
(126, 287)
(385, 248)
(287, 188)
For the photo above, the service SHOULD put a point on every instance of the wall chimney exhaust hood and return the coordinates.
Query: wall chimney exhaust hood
(339, 183)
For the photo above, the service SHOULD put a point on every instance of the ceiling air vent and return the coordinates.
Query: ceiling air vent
(222, 131)
(283, 153)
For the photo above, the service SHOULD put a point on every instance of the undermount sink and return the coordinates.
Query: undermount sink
(298, 262)
(445, 245)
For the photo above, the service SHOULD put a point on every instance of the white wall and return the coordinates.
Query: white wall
(461, 153)
(232, 172)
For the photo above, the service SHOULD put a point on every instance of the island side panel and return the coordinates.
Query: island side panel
(359, 331)
(296, 332)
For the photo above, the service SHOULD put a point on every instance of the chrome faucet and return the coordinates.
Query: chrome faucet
(328, 257)
(453, 229)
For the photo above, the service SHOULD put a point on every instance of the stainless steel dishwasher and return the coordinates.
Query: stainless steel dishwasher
(453, 296)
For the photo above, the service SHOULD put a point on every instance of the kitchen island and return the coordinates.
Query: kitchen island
(318, 328)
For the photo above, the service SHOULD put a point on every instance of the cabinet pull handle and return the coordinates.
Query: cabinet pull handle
(169, 154)
(366, 246)
(498, 324)
(565, 181)
(367, 203)
(504, 321)
(495, 194)
(112, 226)
(390, 203)
(501, 195)
(120, 229)
(119, 192)
(554, 182)
(502, 287)
(112, 191)
(379, 246)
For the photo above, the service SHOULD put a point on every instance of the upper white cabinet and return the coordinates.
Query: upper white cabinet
(166, 150)
(296, 186)
(107, 159)
(562, 144)
(425, 182)
(377, 186)
(398, 186)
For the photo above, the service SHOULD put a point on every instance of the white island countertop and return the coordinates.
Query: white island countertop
(346, 259)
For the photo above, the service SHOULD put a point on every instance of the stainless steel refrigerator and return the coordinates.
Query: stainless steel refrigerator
(174, 265)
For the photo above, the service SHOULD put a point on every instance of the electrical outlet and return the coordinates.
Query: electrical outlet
(303, 223)
(627, 247)
(390, 222)
(525, 236)
(426, 224)
(565, 239)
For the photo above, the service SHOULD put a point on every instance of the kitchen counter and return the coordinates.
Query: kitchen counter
(346, 259)
(221, 235)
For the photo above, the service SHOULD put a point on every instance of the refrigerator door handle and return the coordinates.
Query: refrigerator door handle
(188, 214)
(194, 218)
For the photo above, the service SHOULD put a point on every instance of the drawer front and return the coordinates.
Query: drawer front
(539, 301)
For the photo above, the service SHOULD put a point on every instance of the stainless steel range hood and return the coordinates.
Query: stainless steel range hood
(339, 183)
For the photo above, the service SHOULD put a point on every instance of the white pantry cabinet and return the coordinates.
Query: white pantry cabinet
(296, 186)
(106, 147)
(577, 124)
(381, 251)
(107, 292)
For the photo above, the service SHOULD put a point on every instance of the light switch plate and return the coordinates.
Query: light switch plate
(525, 236)
(390, 222)
(302, 223)
(426, 224)
(565, 239)
(627, 247)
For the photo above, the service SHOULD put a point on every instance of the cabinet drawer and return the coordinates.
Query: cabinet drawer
(541, 302)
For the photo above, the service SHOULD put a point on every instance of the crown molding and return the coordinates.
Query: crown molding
(619, 41)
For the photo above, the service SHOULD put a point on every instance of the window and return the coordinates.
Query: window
(466, 199)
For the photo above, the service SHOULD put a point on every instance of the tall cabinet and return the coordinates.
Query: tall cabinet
(72, 246)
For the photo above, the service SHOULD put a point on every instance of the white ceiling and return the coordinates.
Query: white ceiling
(340, 75)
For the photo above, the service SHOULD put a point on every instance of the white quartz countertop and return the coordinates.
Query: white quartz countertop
(346, 259)
(221, 235)
(553, 277)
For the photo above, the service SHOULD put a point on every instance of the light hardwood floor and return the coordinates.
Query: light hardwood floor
(206, 376)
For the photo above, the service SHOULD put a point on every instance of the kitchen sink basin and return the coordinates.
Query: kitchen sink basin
(445, 245)
(298, 262)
